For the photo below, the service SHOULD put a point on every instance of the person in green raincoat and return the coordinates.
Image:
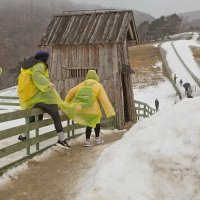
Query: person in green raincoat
(0, 71)
(84, 108)
(35, 90)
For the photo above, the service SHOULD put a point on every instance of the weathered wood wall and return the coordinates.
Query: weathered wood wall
(69, 65)
(122, 54)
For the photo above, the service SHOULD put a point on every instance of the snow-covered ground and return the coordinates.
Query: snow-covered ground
(165, 92)
(158, 158)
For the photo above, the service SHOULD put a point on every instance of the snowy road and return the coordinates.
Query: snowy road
(178, 68)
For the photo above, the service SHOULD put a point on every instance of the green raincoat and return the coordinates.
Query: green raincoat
(83, 101)
(37, 88)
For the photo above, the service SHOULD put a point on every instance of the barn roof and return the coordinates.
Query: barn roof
(107, 26)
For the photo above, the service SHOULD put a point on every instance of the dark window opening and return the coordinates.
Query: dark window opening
(78, 73)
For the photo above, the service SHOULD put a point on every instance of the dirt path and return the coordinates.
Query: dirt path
(57, 177)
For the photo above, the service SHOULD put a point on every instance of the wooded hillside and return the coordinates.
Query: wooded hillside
(22, 24)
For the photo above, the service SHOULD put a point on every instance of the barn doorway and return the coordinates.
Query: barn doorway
(127, 97)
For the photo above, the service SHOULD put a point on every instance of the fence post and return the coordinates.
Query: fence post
(68, 132)
(73, 132)
(139, 111)
(28, 152)
(144, 111)
(37, 133)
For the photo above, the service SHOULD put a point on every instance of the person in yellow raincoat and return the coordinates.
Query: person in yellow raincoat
(36, 91)
(0, 71)
(84, 108)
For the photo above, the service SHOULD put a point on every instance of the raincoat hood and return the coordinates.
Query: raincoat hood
(92, 75)
(28, 63)
(42, 56)
(84, 100)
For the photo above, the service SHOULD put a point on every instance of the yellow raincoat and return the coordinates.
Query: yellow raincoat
(83, 101)
(37, 89)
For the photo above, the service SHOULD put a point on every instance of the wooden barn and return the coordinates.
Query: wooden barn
(98, 39)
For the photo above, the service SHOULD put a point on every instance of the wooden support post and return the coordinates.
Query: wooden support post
(28, 152)
(73, 132)
(37, 133)
(68, 132)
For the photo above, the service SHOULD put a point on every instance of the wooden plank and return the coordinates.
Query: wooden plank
(58, 65)
(52, 30)
(29, 142)
(113, 28)
(97, 57)
(101, 28)
(73, 29)
(86, 56)
(133, 25)
(9, 104)
(65, 34)
(24, 128)
(57, 30)
(54, 64)
(102, 60)
(90, 56)
(9, 97)
(115, 62)
(108, 28)
(91, 31)
(94, 35)
(20, 114)
(63, 24)
(45, 39)
(87, 30)
(123, 32)
(130, 32)
(109, 64)
(79, 27)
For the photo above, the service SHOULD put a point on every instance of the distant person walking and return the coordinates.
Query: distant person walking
(181, 82)
(175, 77)
(84, 105)
(35, 90)
(189, 92)
(186, 86)
(156, 104)
(0, 71)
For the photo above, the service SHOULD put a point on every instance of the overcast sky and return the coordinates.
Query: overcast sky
(155, 8)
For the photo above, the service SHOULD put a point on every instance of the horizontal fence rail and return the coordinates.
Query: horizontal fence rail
(19, 121)
(143, 110)
(9, 101)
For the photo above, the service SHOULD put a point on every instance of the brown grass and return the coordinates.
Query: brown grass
(143, 59)
(196, 54)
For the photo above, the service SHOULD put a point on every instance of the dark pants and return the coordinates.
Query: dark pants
(89, 131)
(52, 110)
(157, 107)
